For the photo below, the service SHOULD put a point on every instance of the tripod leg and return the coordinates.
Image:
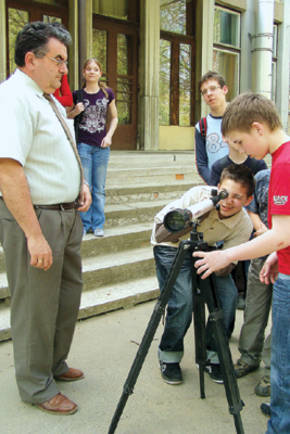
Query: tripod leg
(149, 334)
(223, 350)
(199, 332)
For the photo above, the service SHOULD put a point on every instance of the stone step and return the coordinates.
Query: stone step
(117, 267)
(146, 192)
(140, 176)
(100, 300)
(132, 213)
(107, 269)
(116, 239)
(122, 295)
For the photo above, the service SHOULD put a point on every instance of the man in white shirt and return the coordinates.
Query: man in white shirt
(42, 190)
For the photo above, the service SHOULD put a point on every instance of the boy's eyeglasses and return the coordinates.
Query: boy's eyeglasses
(211, 89)
(58, 61)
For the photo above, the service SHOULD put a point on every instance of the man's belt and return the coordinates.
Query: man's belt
(60, 206)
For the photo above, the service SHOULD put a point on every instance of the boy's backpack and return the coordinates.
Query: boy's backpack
(202, 127)
(77, 97)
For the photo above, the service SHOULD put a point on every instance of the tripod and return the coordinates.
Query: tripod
(203, 292)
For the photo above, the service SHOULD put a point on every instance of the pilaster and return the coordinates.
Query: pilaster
(149, 75)
(3, 59)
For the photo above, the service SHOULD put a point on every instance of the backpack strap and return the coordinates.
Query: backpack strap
(78, 96)
(203, 127)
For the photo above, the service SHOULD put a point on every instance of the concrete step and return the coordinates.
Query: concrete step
(139, 167)
(117, 267)
(147, 159)
(99, 300)
(122, 295)
(146, 192)
(107, 269)
(162, 175)
(132, 213)
(116, 239)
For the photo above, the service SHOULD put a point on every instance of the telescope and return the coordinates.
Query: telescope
(179, 219)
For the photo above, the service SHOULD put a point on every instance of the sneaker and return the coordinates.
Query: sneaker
(263, 388)
(84, 232)
(215, 373)
(265, 408)
(171, 373)
(242, 368)
(99, 232)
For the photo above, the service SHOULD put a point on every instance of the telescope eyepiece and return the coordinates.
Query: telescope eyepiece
(223, 194)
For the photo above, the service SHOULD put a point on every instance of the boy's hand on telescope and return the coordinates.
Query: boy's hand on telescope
(210, 262)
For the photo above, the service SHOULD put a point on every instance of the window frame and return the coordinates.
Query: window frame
(231, 49)
(175, 40)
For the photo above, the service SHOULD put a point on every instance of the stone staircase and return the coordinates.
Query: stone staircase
(118, 270)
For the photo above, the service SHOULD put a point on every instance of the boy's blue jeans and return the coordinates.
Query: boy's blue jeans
(95, 162)
(179, 310)
(280, 358)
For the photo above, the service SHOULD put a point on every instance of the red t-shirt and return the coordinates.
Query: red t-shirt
(63, 94)
(279, 196)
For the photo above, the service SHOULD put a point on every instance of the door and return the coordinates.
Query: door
(115, 46)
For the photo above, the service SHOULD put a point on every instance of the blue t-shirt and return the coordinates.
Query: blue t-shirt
(259, 204)
(210, 149)
(92, 125)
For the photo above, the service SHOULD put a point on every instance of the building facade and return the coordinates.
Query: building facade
(153, 53)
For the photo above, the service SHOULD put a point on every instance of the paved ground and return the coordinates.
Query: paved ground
(105, 347)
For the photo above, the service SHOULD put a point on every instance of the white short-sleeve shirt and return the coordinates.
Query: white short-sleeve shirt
(32, 135)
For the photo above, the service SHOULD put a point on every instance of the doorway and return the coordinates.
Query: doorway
(115, 46)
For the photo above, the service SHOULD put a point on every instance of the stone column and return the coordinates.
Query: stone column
(3, 40)
(148, 129)
(283, 67)
(207, 42)
(85, 32)
(73, 49)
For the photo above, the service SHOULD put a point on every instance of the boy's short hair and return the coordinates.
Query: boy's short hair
(241, 174)
(248, 108)
(212, 75)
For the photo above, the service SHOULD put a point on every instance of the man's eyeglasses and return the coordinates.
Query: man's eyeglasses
(58, 61)
(210, 88)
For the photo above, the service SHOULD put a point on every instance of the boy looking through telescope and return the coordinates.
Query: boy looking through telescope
(229, 224)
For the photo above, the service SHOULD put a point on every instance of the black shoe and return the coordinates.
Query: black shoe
(215, 373)
(171, 373)
(265, 408)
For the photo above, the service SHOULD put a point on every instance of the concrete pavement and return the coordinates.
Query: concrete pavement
(105, 347)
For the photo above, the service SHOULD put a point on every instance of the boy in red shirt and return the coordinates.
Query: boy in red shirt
(252, 124)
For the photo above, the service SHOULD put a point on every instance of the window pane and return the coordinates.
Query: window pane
(100, 47)
(226, 28)
(173, 16)
(275, 40)
(52, 2)
(123, 100)
(16, 20)
(111, 8)
(227, 64)
(50, 19)
(274, 81)
(164, 82)
(184, 84)
(122, 54)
